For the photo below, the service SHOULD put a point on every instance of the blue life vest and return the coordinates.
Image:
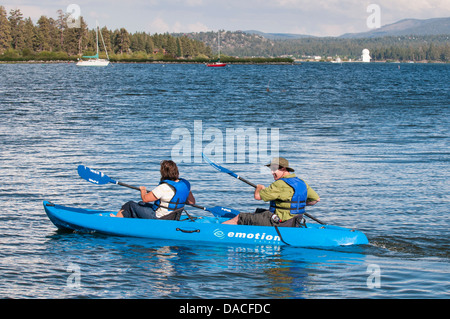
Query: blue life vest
(298, 200)
(181, 189)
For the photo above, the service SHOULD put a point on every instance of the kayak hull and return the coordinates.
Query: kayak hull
(205, 229)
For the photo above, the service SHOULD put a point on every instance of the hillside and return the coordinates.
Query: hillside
(279, 36)
(407, 27)
(237, 43)
(403, 48)
(411, 40)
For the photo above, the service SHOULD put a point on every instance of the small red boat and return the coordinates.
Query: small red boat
(216, 64)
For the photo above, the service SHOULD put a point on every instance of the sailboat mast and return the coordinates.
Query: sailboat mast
(104, 45)
(97, 38)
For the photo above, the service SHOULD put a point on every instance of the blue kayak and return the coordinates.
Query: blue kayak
(205, 229)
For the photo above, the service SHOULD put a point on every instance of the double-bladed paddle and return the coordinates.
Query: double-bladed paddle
(99, 178)
(231, 173)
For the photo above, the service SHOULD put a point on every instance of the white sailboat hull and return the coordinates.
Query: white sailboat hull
(93, 62)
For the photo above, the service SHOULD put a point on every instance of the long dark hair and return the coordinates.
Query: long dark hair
(169, 170)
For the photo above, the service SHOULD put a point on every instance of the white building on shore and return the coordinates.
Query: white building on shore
(365, 57)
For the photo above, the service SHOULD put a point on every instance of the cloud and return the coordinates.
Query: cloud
(33, 12)
(314, 17)
(159, 25)
(198, 27)
(415, 6)
(194, 3)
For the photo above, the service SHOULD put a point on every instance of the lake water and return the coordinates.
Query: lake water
(371, 139)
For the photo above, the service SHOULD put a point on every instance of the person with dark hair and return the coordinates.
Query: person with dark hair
(166, 201)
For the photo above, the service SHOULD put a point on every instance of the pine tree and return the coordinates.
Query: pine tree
(149, 45)
(43, 33)
(61, 25)
(5, 31)
(70, 45)
(17, 29)
(82, 36)
(29, 36)
(179, 48)
(188, 49)
(55, 42)
(171, 46)
(121, 41)
(76, 39)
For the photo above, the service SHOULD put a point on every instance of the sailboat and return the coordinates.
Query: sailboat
(94, 60)
(217, 63)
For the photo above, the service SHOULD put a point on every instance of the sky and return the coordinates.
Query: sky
(310, 17)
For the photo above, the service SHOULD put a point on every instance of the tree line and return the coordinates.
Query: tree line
(49, 39)
(388, 48)
(434, 48)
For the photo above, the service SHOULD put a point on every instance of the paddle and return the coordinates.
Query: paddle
(224, 170)
(100, 178)
(227, 171)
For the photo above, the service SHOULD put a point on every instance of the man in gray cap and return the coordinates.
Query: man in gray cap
(288, 196)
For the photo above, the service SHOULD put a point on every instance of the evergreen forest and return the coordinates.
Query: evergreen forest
(53, 39)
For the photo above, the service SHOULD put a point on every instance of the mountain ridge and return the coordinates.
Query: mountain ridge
(433, 26)
(384, 43)
(279, 36)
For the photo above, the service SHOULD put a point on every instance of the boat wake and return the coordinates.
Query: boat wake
(419, 247)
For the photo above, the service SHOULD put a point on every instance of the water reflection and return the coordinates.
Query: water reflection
(145, 268)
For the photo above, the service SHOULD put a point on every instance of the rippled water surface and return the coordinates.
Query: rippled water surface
(371, 139)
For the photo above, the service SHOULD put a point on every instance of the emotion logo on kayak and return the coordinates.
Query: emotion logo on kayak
(218, 233)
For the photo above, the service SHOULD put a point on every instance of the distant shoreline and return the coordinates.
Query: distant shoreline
(162, 61)
(297, 62)
(147, 62)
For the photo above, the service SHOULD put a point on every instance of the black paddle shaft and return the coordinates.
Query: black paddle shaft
(129, 186)
(246, 181)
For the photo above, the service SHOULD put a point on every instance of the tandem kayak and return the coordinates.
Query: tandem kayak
(205, 229)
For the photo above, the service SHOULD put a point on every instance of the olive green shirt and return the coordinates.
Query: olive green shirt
(280, 190)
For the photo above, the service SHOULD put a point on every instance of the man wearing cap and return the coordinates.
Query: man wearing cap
(288, 196)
